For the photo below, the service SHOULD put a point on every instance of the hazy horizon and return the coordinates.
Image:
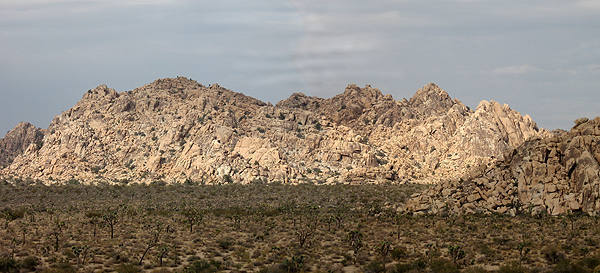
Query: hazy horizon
(541, 57)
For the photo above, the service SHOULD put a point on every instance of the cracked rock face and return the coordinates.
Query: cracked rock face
(554, 175)
(18, 140)
(177, 129)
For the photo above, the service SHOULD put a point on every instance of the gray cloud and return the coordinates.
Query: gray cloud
(516, 69)
(541, 57)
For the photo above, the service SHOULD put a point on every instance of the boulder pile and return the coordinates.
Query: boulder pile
(554, 175)
(177, 130)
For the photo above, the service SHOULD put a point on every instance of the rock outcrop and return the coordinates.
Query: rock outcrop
(554, 175)
(18, 140)
(177, 130)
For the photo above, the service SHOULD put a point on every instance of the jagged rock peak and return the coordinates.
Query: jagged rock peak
(368, 91)
(492, 104)
(101, 92)
(356, 96)
(580, 121)
(297, 96)
(22, 125)
(18, 140)
(497, 107)
(301, 101)
(20, 128)
(430, 93)
(515, 126)
(586, 126)
(432, 100)
(178, 83)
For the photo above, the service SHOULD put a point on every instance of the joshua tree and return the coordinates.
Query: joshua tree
(94, 219)
(355, 239)
(571, 217)
(524, 250)
(110, 218)
(31, 215)
(456, 253)
(399, 220)
(339, 215)
(290, 211)
(153, 240)
(13, 247)
(305, 231)
(163, 252)
(193, 216)
(384, 249)
(329, 219)
(23, 227)
(431, 251)
(309, 221)
(57, 229)
(235, 215)
(81, 253)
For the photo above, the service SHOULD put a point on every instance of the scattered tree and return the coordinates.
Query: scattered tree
(355, 239)
(110, 218)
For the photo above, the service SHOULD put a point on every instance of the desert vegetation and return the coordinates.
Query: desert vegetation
(273, 228)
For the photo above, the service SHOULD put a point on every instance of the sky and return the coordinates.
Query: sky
(542, 57)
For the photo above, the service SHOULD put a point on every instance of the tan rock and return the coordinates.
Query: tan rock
(154, 163)
(473, 197)
(24, 136)
(558, 174)
(178, 129)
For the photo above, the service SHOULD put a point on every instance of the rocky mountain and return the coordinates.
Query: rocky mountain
(17, 140)
(554, 175)
(177, 130)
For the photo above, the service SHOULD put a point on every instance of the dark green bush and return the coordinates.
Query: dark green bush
(402, 268)
(512, 268)
(420, 264)
(60, 268)
(475, 269)
(552, 254)
(294, 264)
(416, 266)
(590, 262)
(225, 243)
(203, 266)
(398, 253)
(375, 267)
(442, 265)
(11, 214)
(30, 263)
(8, 265)
(128, 268)
(273, 269)
(566, 266)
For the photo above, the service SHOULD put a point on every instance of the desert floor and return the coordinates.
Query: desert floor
(273, 228)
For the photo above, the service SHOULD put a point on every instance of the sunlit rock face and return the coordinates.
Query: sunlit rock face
(178, 130)
(554, 175)
(18, 140)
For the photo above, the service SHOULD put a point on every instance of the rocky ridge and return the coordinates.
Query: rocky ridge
(179, 130)
(555, 175)
(17, 140)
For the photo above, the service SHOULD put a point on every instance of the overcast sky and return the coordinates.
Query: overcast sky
(542, 57)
